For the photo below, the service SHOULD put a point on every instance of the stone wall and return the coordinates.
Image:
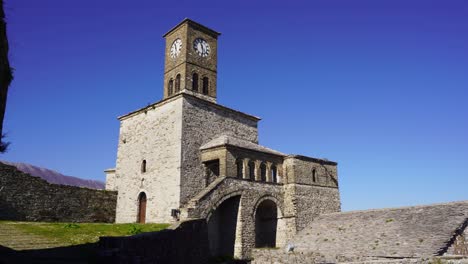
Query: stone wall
(312, 201)
(399, 233)
(185, 243)
(460, 243)
(280, 256)
(152, 134)
(27, 198)
(202, 122)
(310, 171)
(168, 135)
(312, 188)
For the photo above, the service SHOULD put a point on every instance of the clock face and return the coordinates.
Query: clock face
(201, 47)
(175, 48)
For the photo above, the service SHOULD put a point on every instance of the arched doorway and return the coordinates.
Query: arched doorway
(141, 217)
(266, 223)
(222, 225)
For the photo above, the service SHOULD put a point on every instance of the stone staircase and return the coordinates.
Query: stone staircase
(16, 239)
(186, 210)
(17, 246)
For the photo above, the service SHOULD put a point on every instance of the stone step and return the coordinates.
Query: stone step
(16, 239)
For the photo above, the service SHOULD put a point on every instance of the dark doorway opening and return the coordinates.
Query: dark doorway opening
(266, 222)
(141, 218)
(222, 227)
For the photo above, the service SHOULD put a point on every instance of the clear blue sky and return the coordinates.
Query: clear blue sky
(381, 87)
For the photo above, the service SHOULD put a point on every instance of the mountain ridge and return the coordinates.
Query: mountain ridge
(55, 177)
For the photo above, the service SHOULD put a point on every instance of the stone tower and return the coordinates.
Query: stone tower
(191, 60)
(158, 165)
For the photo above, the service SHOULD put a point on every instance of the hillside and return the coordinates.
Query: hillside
(52, 176)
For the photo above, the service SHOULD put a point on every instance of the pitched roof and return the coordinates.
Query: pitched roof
(237, 142)
(417, 231)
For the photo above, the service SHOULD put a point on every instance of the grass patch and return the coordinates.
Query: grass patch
(81, 233)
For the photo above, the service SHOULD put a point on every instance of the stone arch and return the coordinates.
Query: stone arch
(269, 222)
(222, 225)
(223, 197)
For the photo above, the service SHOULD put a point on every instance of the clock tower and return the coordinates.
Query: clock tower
(191, 60)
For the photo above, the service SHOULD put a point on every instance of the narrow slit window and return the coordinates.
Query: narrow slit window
(274, 174)
(240, 168)
(263, 172)
(170, 87)
(143, 166)
(205, 85)
(195, 82)
(252, 170)
(177, 83)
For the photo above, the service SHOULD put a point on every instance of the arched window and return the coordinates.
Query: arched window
(170, 87)
(263, 172)
(195, 82)
(252, 170)
(177, 83)
(143, 166)
(314, 175)
(240, 168)
(274, 173)
(205, 85)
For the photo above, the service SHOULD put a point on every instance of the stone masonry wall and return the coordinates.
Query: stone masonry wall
(186, 243)
(27, 198)
(308, 197)
(407, 232)
(460, 244)
(280, 256)
(202, 122)
(152, 134)
(300, 170)
(312, 201)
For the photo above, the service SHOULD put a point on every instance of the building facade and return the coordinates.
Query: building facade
(188, 157)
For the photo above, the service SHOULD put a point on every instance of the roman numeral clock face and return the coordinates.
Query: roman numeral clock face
(175, 48)
(201, 47)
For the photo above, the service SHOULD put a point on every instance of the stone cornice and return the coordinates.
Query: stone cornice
(182, 94)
